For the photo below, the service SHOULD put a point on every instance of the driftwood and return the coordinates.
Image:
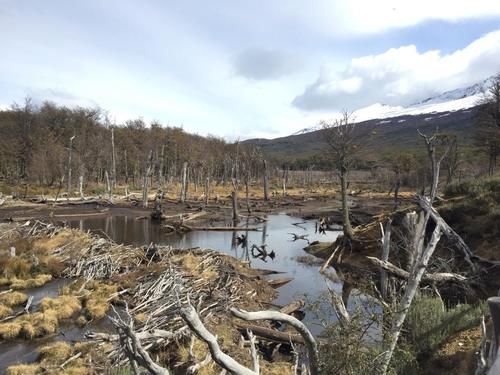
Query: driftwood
(427, 277)
(278, 283)
(270, 334)
(292, 307)
(447, 230)
(192, 318)
(309, 340)
(220, 229)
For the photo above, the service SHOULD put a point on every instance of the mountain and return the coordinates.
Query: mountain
(390, 129)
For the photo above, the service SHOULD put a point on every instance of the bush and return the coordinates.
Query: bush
(474, 188)
(429, 323)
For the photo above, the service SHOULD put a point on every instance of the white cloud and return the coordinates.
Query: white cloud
(401, 76)
(350, 17)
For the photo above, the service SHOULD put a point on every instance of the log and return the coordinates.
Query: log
(448, 231)
(278, 283)
(229, 229)
(270, 334)
(292, 307)
(428, 277)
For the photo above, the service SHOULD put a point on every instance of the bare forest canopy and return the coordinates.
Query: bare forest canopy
(38, 143)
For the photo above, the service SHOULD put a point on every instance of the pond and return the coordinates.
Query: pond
(275, 233)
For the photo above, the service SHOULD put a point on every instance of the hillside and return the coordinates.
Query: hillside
(382, 137)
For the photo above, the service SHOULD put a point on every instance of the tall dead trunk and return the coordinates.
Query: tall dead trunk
(81, 188)
(162, 166)
(108, 186)
(147, 172)
(184, 182)
(207, 190)
(346, 222)
(126, 167)
(113, 158)
(69, 164)
(285, 180)
(234, 201)
(247, 194)
(266, 182)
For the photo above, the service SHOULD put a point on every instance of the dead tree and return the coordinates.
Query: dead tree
(431, 143)
(80, 187)
(342, 142)
(108, 186)
(207, 189)
(113, 158)
(183, 196)
(285, 180)
(147, 173)
(70, 150)
(266, 182)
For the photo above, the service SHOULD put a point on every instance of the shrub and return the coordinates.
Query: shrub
(429, 323)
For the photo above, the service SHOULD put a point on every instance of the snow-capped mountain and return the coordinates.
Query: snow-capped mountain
(449, 101)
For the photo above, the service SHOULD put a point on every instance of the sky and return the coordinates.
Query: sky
(242, 69)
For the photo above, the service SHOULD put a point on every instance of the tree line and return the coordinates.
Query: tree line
(50, 145)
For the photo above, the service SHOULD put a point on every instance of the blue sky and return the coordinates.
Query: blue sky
(242, 69)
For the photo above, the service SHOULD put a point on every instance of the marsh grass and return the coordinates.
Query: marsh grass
(13, 299)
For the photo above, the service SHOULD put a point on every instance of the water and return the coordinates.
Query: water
(275, 233)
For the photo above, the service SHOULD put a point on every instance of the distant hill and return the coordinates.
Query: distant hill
(387, 130)
(382, 137)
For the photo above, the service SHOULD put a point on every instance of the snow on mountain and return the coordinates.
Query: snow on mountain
(449, 101)
(477, 89)
(381, 111)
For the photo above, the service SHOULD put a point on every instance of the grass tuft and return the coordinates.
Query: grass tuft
(13, 299)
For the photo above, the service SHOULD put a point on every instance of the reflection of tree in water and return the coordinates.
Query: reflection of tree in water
(262, 253)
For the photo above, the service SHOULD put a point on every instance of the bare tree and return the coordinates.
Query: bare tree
(266, 182)
(487, 135)
(342, 143)
(70, 151)
(436, 156)
(147, 173)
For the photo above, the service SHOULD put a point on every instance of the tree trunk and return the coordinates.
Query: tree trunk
(184, 182)
(81, 188)
(247, 178)
(69, 165)
(108, 185)
(346, 222)
(147, 172)
(207, 190)
(113, 158)
(285, 179)
(234, 200)
(266, 182)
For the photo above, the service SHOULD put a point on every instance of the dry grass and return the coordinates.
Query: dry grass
(13, 299)
(10, 330)
(65, 306)
(23, 370)
(17, 267)
(56, 353)
(191, 264)
(43, 322)
(98, 301)
(51, 358)
(36, 282)
(5, 311)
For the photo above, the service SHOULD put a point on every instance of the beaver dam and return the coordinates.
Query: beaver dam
(66, 292)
